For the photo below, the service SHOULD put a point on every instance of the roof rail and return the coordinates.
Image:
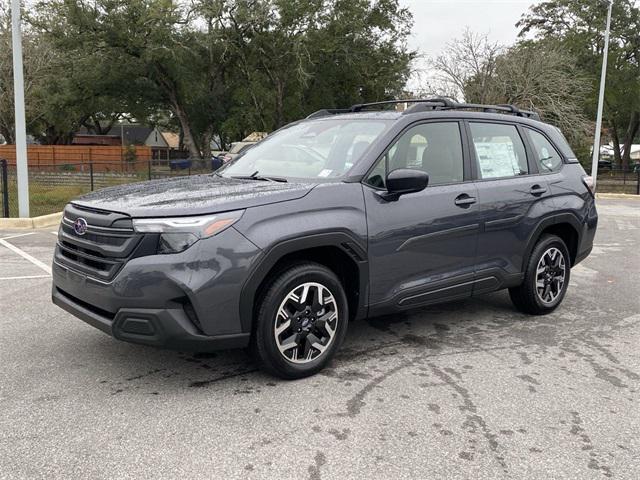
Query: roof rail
(441, 101)
(431, 104)
(500, 108)
(328, 111)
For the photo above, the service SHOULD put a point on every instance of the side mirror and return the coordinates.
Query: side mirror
(405, 180)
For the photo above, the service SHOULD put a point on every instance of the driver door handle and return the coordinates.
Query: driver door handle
(464, 200)
(537, 190)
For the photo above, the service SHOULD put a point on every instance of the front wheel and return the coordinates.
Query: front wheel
(546, 277)
(301, 322)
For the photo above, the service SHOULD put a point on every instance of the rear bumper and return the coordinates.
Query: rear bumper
(587, 235)
(166, 328)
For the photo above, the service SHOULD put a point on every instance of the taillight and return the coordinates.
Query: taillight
(588, 182)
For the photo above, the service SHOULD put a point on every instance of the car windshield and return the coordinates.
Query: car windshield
(325, 148)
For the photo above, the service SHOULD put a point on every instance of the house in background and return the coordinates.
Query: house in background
(119, 135)
(131, 134)
(164, 145)
(96, 140)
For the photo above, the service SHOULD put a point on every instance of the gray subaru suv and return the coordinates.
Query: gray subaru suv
(344, 215)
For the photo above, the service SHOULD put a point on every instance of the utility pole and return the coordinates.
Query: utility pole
(603, 78)
(21, 129)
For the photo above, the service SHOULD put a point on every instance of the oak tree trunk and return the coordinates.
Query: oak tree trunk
(632, 131)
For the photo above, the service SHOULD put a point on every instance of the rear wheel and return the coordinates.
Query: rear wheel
(302, 319)
(546, 277)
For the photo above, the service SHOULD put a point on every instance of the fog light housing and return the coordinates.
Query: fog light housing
(175, 242)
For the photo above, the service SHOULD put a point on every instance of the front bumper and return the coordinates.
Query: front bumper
(187, 301)
(168, 328)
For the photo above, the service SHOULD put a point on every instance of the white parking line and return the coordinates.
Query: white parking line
(25, 255)
(26, 277)
(18, 235)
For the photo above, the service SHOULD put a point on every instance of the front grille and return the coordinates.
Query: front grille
(105, 247)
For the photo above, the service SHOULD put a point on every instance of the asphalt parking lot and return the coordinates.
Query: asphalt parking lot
(465, 390)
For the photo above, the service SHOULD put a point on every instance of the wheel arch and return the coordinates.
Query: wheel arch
(338, 251)
(565, 225)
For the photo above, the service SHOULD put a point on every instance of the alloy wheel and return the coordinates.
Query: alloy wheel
(550, 275)
(306, 322)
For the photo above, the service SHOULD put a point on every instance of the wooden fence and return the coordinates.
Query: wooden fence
(79, 157)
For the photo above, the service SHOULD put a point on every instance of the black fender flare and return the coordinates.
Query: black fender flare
(545, 223)
(343, 240)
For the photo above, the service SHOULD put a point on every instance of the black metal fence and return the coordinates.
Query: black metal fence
(52, 186)
(619, 181)
(4, 188)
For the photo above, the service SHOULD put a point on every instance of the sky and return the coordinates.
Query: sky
(437, 22)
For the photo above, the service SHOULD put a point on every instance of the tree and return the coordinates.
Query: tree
(221, 67)
(37, 65)
(147, 39)
(294, 57)
(578, 27)
(544, 78)
(532, 75)
(467, 67)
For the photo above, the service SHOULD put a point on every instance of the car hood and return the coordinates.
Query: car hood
(193, 195)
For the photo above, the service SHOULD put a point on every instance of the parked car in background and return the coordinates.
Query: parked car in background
(236, 150)
(605, 164)
(185, 163)
(180, 163)
(216, 162)
(344, 215)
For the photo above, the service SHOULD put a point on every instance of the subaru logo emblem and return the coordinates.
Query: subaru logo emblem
(80, 226)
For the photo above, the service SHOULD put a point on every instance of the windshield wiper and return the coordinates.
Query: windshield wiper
(255, 176)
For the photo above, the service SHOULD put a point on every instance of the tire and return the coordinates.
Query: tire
(317, 328)
(541, 292)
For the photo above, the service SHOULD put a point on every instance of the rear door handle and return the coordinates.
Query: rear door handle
(537, 190)
(464, 200)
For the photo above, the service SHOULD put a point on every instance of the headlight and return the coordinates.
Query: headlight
(179, 233)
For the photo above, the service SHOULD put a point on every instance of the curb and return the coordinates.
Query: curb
(621, 196)
(50, 220)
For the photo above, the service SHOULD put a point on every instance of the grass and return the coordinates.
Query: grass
(43, 199)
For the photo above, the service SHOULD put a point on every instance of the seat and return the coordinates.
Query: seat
(441, 163)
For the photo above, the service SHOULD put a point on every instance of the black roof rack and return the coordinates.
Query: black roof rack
(439, 101)
(430, 104)
(328, 111)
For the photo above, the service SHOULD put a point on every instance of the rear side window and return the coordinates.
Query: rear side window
(545, 154)
(435, 148)
(499, 150)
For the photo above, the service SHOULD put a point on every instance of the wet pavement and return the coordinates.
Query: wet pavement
(470, 389)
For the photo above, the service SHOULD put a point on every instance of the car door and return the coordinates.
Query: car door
(422, 245)
(511, 198)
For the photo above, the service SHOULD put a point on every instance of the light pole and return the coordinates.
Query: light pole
(603, 78)
(21, 129)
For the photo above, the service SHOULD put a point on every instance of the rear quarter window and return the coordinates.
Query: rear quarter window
(560, 141)
(545, 154)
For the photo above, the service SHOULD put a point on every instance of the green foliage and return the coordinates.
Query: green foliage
(130, 155)
(533, 75)
(577, 26)
(211, 67)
